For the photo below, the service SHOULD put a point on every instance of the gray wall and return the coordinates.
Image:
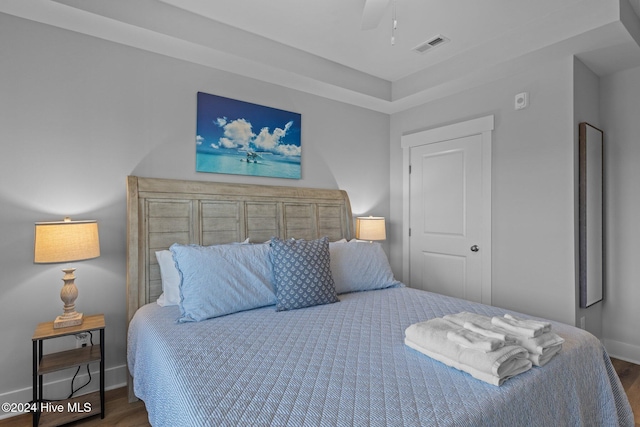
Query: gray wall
(620, 114)
(532, 185)
(586, 108)
(79, 114)
(535, 191)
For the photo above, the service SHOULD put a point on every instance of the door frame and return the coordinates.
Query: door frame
(482, 126)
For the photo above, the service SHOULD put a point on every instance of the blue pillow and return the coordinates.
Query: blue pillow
(222, 279)
(360, 266)
(302, 273)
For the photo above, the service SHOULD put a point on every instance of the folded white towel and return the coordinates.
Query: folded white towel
(518, 327)
(541, 348)
(546, 356)
(494, 367)
(517, 366)
(470, 339)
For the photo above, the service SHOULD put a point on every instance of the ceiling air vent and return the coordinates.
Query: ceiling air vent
(431, 43)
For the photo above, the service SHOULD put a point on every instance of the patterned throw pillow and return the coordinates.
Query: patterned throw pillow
(302, 273)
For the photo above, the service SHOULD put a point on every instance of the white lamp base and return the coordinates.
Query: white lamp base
(68, 295)
(64, 321)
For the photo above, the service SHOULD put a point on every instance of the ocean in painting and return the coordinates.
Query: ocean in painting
(235, 162)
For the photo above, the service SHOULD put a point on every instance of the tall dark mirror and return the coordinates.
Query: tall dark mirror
(591, 215)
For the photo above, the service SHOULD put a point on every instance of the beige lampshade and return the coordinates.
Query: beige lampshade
(65, 241)
(370, 228)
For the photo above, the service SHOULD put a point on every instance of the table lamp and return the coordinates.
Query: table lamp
(66, 241)
(370, 228)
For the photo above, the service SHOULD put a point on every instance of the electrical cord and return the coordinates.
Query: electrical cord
(78, 370)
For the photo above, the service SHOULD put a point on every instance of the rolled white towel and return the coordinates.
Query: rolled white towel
(470, 339)
(480, 324)
(518, 327)
(546, 326)
(491, 332)
(467, 317)
(541, 344)
(494, 367)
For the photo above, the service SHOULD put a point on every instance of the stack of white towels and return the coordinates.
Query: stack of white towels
(491, 349)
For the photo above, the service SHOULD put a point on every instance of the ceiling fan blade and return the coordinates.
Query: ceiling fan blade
(372, 13)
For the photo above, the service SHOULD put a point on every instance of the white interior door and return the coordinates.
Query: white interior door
(449, 244)
(446, 220)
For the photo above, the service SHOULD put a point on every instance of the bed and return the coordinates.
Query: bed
(342, 363)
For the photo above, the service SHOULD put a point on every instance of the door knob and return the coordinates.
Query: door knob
(475, 248)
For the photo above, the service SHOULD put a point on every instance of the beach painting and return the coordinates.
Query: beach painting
(237, 137)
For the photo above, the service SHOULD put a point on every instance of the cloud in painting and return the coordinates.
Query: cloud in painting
(237, 133)
(288, 150)
(200, 140)
(268, 141)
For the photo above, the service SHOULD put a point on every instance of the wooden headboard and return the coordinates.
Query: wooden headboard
(161, 212)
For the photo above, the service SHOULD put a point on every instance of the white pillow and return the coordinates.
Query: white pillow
(170, 279)
(359, 266)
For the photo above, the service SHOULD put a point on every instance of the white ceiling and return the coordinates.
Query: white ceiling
(331, 28)
(318, 45)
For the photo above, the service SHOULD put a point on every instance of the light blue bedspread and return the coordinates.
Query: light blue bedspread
(346, 364)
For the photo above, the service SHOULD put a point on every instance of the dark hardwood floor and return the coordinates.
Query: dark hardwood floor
(629, 375)
(119, 413)
(122, 414)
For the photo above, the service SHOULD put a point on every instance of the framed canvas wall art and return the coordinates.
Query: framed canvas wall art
(237, 137)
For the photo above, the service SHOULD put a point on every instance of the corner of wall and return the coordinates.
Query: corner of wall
(586, 108)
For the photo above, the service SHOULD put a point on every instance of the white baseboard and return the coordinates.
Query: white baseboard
(114, 377)
(623, 351)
